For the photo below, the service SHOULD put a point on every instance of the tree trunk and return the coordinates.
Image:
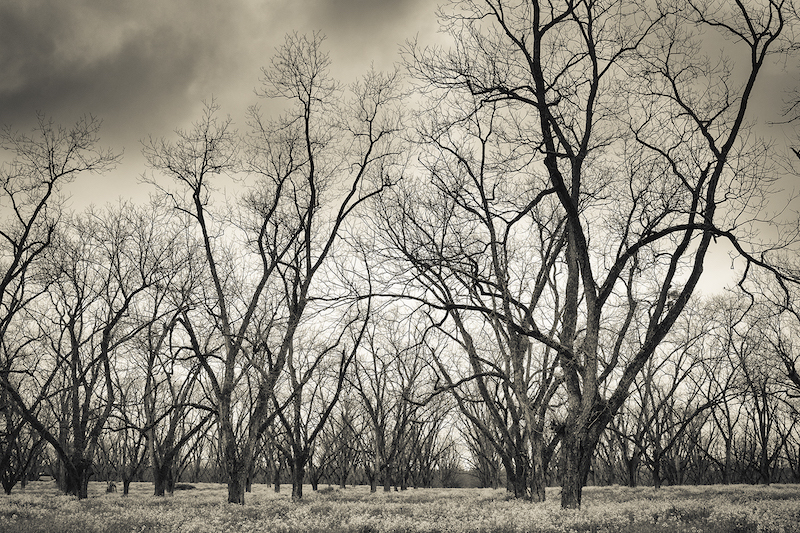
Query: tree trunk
(298, 475)
(538, 482)
(728, 467)
(76, 480)
(233, 459)
(126, 485)
(577, 450)
(387, 479)
(764, 472)
(657, 473)
(236, 485)
(633, 466)
(161, 474)
(276, 480)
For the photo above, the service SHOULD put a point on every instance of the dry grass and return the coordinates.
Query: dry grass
(40, 508)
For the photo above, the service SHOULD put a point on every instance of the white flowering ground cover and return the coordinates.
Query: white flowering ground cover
(41, 508)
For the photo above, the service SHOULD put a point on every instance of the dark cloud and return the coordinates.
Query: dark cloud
(144, 66)
(107, 57)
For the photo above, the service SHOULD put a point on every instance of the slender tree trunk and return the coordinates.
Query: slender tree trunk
(538, 482)
(632, 467)
(657, 473)
(728, 467)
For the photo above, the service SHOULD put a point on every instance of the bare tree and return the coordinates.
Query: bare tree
(308, 172)
(96, 275)
(31, 198)
(645, 171)
(317, 372)
(389, 377)
(19, 445)
(43, 162)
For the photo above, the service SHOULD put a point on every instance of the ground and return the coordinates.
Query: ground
(739, 508)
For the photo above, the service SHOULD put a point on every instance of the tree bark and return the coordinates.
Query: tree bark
(298, 475)
(577, 450)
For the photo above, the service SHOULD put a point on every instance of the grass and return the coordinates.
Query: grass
(719, 509)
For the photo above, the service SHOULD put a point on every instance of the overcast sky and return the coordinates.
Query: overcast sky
(145, 66)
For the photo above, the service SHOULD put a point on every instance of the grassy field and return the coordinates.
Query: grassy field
(41, 508)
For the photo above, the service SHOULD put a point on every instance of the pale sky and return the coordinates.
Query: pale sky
(145, 66)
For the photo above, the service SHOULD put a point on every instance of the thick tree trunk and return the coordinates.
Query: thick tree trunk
(518, 481)
(236, 486)
(161, 478)
(538, 484)
(298, 476)
(538, 471)
(577, 450)
(76, 479)
(234, 460)
(764, 472)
